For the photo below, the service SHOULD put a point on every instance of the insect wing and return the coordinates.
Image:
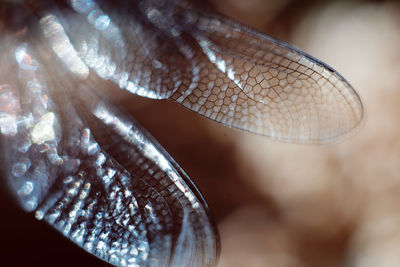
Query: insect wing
(215, 67)
(248, 80)
(91, 172)
(116, 41)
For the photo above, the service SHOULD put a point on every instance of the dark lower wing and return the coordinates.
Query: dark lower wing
(91, 171)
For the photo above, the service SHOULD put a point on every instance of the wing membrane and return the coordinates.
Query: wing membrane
(114, 39)
(92, 173)
(215, 67)
(250, 81)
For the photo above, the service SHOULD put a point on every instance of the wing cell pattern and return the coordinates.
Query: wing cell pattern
(250, 81)
(215, 67)
(92, 172)
(119, 46)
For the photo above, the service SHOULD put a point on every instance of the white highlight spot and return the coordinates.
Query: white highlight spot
(60, 43)
(102, 22)
(43, 130)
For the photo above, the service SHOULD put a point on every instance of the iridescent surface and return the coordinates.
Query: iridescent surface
(90, 171)
(217, 68)
(115, 192)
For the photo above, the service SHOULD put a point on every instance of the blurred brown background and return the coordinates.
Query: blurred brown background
(277, 204)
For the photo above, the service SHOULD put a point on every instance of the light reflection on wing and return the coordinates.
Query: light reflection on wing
(215, 67)
(91, 172)
(98, 177)
(114, 40)
(253, 82)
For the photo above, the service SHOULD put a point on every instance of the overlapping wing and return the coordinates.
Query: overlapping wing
(116, 41)
(253, 82)
(90, 171)
(215, 67)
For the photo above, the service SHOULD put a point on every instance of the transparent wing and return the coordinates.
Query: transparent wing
(120, 44)
(91, 172)
(253, 82)
(213, 66)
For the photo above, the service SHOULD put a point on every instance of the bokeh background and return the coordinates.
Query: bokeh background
(277, 204)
